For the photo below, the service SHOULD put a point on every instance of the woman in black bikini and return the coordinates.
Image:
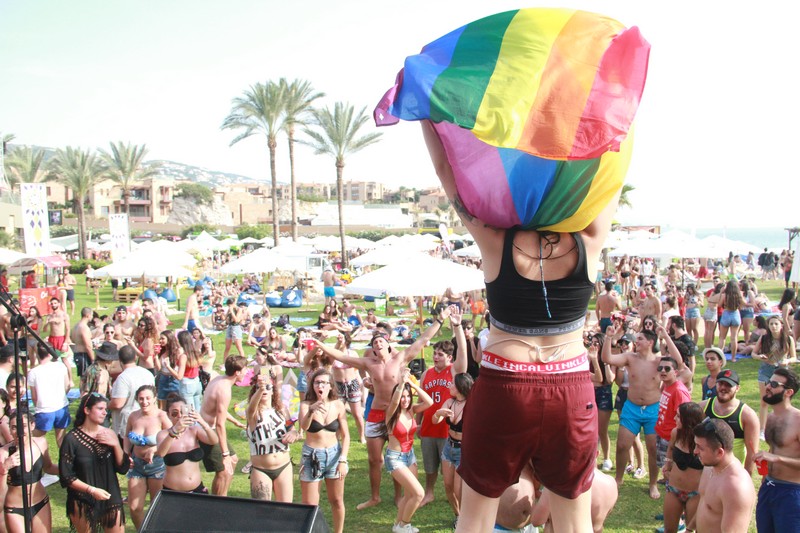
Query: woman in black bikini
(38, 462)
(324, 419)
(269, 436)
(180, 446)
(682, 482)
(91, 456)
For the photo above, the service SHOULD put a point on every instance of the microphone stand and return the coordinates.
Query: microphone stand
(18, 323)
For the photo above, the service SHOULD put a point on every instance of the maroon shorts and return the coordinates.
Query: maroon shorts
(512, 418)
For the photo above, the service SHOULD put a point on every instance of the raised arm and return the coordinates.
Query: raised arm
(460, 364)
(424, 400)
(355, 362)
(618, 360)
(671, 348)
(414, 350)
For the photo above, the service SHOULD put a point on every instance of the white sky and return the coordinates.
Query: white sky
(713, 130)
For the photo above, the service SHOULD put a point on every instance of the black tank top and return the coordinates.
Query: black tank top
(518, 301)
(734, 420)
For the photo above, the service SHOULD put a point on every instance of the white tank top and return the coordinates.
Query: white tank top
(266, 437)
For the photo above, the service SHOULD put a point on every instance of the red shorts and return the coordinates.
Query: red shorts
(57, 342)
(512, 418)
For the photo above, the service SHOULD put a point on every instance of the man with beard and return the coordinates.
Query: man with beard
(739, 416)
(726, 490)
(778, 506)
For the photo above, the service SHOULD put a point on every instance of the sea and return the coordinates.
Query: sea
(774, 238)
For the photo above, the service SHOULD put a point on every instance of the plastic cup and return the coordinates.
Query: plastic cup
(763, 467)
(309, 344)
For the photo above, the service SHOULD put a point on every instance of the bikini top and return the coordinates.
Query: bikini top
(456, 427)
(405, 436)
(16, 477)
(142, 440)
(178, 458)
(521, 303)
(684, 460)
(316, 427)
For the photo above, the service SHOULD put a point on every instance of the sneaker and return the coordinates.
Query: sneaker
(246, 468)
(407, 528)
(639, 474)
(607, 465)
(762, 437)
(629, 469)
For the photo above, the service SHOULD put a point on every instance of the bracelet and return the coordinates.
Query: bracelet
(456, 325)
(226, 454)
(342, 461)
(440, 321)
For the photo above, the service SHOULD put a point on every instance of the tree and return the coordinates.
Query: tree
(261, 109)
(299, 97)
(624, 201)
(79, 171)
(196, 192)
(26, 165)
(336, 134)
(125, 166)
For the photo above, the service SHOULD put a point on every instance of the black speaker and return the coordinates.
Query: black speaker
(180, 511)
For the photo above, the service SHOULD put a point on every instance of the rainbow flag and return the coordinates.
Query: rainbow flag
(533, 107)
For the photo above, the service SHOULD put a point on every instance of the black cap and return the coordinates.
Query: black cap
(729, 376)
(122, 308)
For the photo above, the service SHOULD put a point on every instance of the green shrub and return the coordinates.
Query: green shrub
(258, 231)
(79, 266)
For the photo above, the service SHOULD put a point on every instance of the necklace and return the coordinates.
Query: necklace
(463, 404)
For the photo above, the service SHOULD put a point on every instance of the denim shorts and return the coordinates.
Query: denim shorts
(166, 384)
(604, 398)
(394, 460)
(142, 470)
(730, 319)
(693, 312)
(302, 382)
(765, 371)
(233, 332)
(452, 453)
(748, 312)
(327, 463)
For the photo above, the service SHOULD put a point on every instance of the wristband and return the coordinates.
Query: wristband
(226, 454)
(456, 325)
(440, 321)
(342, 461)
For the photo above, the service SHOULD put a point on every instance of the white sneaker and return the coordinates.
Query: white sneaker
(607, 465)
(407, 528)
(639, 473)
(762, 436)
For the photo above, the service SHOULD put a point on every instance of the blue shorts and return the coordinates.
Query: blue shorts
(730, 319)
(765, 371)
(166, 384)
(329, 292)
(604, 398)
(233, 332)
(604, 323)
(142, 470)
(191, 325)
(452, 452)
(693, 312)
(57, 419)
(328, 463)
(778, 506)
(747, 312)
(636, 418)
(394, 460)
(70, 295)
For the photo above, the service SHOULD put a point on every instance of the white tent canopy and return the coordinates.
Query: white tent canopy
(469, 251)
(142, 265)
(417, 275)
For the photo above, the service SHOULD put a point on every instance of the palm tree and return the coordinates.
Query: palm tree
(624, 201)
(337, 136)
(299, 97)
(261, 109)
(125, 166)
(26, 165)
(79, 171)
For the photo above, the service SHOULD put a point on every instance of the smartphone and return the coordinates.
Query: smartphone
(184, 410)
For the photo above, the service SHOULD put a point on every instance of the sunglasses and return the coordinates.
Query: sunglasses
(316, 383)
(666, 368)
(711, 428)
(775, 384)
(99, 396)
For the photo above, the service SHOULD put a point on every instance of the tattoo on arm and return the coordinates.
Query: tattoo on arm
(461, 209)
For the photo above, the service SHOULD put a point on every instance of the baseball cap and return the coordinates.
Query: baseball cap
(728, 376)
(122, 308)
(626, 338)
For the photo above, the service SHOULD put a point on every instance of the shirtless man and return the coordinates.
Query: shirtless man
(69, 286)
(328, 281)
(778, 506)
(516, 505)
(123, 325)
(741, 418)
(193, 308)
(607, 303)
(726, 489)
(81, 335)
(57, 325)
(220, 458)
(383, 363)
(651, 305)
(641, 408)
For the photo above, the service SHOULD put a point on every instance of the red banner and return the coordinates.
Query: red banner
(39, 298)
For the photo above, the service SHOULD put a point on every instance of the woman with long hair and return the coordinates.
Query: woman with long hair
(624, 271)
(37, 463)
(269, 433)
(774, 349)
(731, 318)
(171, 366)
(147, 473)
(602, 376)
(180, 446)
(649, 323)
(683, 482)
(348, 384)
(13, 394)
(399, 458)
(146, 343)
(190, 387)
(90, 458)
(452, 411)
(749, 345)
(715, 361)
(711, 315)
(748, 311)
(324, 456)
(694, 302)
(786, 307)
(34, 320)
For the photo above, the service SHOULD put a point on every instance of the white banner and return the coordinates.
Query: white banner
(35, 220)
(120, 235)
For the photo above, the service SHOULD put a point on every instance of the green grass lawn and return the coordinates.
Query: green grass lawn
(634, 511)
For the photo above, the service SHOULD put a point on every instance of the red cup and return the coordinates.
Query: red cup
(309, 344)
(763, 467)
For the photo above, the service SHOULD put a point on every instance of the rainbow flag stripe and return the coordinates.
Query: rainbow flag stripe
(545, 96)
